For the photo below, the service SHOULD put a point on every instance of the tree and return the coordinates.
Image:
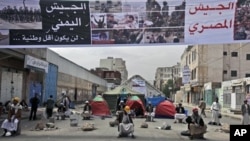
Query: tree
(166, 88)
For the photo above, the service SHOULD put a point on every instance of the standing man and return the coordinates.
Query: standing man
(216, 109)
(49, 106)
(202, 106)
(34, 101)
(245, 110)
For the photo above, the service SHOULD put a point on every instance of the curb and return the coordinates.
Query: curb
(223, 114)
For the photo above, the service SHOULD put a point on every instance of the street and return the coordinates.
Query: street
(106, 133)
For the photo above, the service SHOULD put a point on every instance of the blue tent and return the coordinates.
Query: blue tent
(155, 100)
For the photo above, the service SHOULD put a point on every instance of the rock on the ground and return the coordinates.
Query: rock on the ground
(225, 128)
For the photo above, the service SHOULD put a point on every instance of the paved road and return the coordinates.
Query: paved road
(106, 133)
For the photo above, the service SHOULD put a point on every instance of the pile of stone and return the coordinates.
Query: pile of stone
(88, 127)
(50, 125)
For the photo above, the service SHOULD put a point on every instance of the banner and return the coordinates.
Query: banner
(41, 23)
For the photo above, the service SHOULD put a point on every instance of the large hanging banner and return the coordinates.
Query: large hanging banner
(127, 22)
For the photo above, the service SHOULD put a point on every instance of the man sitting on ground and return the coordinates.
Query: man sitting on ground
(86, 111)
(11, 124)
(196, 125)
(180, 114)
(150, 112)
(126, 125)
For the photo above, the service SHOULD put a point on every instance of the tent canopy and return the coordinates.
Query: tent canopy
(155, 100)
(165, 109)
(100, 107)
(122, 90)
(136, 103)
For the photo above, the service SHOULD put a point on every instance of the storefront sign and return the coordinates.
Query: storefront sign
(35, 62)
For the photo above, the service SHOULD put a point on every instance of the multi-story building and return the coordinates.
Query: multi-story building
(115, 64)
(214, 63)
(113, 78)
(163, 74)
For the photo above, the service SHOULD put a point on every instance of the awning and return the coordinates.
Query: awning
(237, 82)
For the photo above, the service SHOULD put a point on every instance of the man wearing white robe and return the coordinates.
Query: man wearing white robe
(10, 125)
(216, 111)
(245, 110)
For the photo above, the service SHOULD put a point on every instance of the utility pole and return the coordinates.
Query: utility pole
(172, 81)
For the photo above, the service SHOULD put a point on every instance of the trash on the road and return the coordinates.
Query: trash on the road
(50, 125)
(144, 125)
(113, 123)
(164, 126)
(88, 127)
(224, 128)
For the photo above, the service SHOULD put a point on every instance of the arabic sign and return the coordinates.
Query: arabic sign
(186, 75)
(35, 62)
(141, 22)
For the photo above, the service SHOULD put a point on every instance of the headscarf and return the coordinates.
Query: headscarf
(195, 110)
(127, 109)
(16, 99)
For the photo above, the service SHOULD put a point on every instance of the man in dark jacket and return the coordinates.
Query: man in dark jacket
(49, 106)
(34, 101)
(180, 113)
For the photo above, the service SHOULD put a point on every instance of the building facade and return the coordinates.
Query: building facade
(113, 78)
(163, 74)
(25, 72)
(115, 64)
(214, 63)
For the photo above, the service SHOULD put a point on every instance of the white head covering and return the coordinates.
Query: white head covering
(87, 101)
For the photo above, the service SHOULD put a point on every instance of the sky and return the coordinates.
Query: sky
(140, 60)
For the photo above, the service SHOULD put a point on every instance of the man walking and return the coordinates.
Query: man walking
(202, 106)
(49, 106)
(34, 101)
(245, 110)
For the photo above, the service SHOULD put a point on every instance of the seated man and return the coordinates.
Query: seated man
(196, 125)
(11, 124)
(150, 112)
(126, 125)
(86, 111)
(24, 105)
(180, 113)
(61, 111)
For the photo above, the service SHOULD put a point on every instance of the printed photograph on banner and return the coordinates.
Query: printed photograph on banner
(105, 6)
(164, 35)
(242, 20)
(98, 20)
(4, 37)
(123, 20)
(20, 14)
(133, 6)
(122, 36)
(163, 13)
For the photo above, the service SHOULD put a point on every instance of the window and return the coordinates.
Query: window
(248, 57)
(234, 73)
(225, 53)
(234, 54)
(225, 72)
(247, 74)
